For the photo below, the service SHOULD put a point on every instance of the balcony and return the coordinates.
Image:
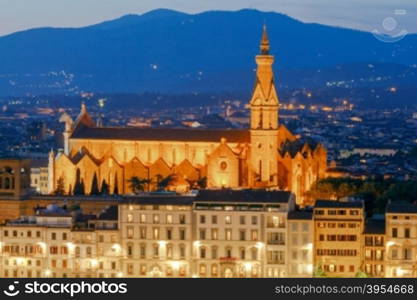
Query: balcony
(276, 242)
(275, 225)
(275, 262)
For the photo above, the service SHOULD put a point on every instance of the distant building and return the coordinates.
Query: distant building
(14, 178)
(39, 176)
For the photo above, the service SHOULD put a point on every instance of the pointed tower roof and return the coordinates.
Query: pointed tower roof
(84, 117)
(264, 42)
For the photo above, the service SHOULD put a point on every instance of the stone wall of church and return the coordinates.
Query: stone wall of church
(96, 164)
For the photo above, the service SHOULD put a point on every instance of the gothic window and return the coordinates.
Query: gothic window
(223, 165)
(174, 156)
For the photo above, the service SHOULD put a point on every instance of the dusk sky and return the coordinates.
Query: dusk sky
(16, 15)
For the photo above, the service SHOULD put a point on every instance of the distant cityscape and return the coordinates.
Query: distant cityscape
(366, 142)
(311, 176)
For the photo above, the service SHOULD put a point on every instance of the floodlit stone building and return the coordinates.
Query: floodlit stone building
(401, 240)
(264, 155)
(218, 233)
(338, 237)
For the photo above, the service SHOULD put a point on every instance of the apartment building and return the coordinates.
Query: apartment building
(300, 243)
(374, 246)
(215, 233)
(51, 244)
(221, 233)
(401, 240)
(156, 234)
(242, 234)
(338, 237)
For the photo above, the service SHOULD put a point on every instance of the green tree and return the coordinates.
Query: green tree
(60, 187)
(202, 182)
(116, 186)
(137, 184)
(79, 184)
(164, 182)
(361, 274)
(104, 188)
(319, 272)
(94, 185)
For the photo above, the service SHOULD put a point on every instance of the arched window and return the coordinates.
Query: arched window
(214, 252)
(7, 183)
(228, 252)
(182, 251)
(202, 252)
(214, 270)
(203, 270)
(8, 170)
(169, 251)
(254, 253)
(155, 250)
(242, 253)
(129, 249)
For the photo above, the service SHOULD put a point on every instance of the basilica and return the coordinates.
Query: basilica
(266, 155)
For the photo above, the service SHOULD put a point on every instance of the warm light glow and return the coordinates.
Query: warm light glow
(310, 268)
(116, 247)
(70, 246)
(47, 272)
(175, 265)
(248, 266)
(120, 274)
(162, 243)
(390, 243)
(400, 272)
(94, 263)
(42, 244)
(259, 244)
(308, 246)
(197, 243)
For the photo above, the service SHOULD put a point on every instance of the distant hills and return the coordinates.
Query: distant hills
(172, 52)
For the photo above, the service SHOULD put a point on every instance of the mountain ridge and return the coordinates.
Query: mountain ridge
(171, 51)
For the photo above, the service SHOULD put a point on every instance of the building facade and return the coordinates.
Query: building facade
(401, 240)
(264, 155)
(338, 237)
(300, 244)
(216, 233)
(221, 233)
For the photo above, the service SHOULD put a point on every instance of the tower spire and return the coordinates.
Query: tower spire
(264, 42)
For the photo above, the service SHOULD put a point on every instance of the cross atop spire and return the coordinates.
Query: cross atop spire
(264, 42)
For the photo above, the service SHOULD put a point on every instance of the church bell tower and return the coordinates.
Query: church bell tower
(264, 120)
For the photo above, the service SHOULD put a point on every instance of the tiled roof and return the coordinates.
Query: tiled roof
(375, 226)
(338, 204)
(300, 215)
(261, 196)
(162, 134)
(401, 207)
(110, 213)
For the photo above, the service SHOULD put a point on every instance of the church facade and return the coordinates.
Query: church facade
(266, 155)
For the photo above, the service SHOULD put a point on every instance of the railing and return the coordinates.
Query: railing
(275, 262)
(276, 242)
(274, 225)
